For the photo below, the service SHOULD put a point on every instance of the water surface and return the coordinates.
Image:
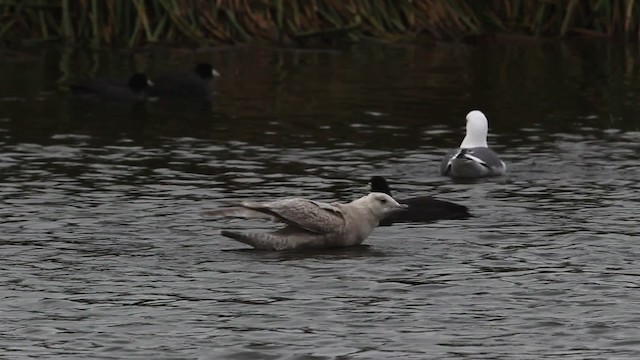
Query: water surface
(106, 252)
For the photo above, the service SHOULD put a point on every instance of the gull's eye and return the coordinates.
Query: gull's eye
(383, 200)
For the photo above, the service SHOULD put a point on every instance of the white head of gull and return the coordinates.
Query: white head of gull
(473, 159)
(477, 128)
(312, 224)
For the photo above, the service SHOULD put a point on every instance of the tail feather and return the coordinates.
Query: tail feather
(258, 241)
(283, 239)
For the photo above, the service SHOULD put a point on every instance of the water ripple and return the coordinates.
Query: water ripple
(106, 252)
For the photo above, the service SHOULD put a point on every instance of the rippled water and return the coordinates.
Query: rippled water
(106, 252)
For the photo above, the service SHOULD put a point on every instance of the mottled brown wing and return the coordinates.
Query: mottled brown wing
(317, 217)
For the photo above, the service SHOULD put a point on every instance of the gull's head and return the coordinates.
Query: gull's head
(477, 128)
(382, 204)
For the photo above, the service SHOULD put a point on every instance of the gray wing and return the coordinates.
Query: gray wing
(481, 155)
(317, 217)
(445, 165)
(487, 155)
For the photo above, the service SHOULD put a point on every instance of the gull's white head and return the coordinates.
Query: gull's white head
(381, 204)
(477, 128)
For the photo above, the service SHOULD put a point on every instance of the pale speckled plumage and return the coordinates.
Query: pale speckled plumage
(473, 158)
(312, 224)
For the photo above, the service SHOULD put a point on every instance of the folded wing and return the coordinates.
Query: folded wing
(317, 217)
(313, 216)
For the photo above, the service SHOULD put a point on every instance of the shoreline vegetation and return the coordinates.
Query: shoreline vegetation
(135, 23)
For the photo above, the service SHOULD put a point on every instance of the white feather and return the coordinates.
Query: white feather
(477, 128)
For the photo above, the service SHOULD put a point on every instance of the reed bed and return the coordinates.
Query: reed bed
(300, 22)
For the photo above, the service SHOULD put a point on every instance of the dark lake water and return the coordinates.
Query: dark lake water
(105, 252)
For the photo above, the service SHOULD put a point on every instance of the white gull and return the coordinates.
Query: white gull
(473, 158)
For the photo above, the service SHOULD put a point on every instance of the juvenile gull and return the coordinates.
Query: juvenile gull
(473, 158)
(421, 208)
(312, 224)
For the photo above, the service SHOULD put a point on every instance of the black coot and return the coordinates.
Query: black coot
(194, 83)
(135, 89)
(421, 209)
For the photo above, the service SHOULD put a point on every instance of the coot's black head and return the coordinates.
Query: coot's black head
(139, 82)
(379, 184)
(206, 71)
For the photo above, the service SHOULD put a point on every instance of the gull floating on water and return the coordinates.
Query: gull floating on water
(473, 158)
(312, 224)
(420, 208)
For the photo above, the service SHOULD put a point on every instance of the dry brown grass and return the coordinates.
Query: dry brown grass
(302, 21)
